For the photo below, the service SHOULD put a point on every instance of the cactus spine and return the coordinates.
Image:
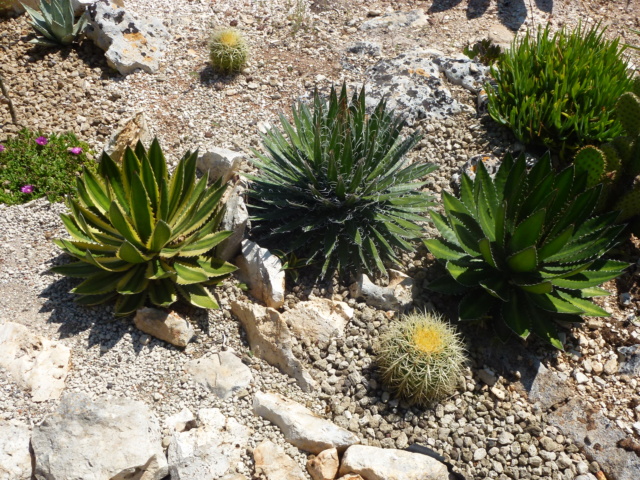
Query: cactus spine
(228, 50)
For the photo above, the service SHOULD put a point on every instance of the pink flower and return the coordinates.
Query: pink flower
(2, 148)
(42, 141)
(27, 189)
(75, 150)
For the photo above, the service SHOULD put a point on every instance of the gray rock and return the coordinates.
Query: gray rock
(398, 295)
(270, 339)
(300, 426)
(130, 43)
(113, 438)
(15, 459)
(209, 451)
(38, 365)
(134, 129)
(375, 463)
(272, 462)
(393, 20)
(598, 436)
(223, 373)
(262, 271)
(236, 220)
(373, 49)
(220, 163)
(167, 326)
(318, 320)
(630, 360)
(464, 72)
(548, 388)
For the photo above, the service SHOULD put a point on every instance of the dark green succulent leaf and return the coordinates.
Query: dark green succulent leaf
(102, 282)
(107, 264)
(162, 292)
(447, 285)
(588, 308)
(133, 281)
(467, 272)
(475, 305)
(443, 227)
(158, 269)
(128, 304)
(538, 288)
(484, 245)
(91, 300)
(590, 292)
(514, 316)
(130, 254)
(124, 225)
(528, 232)
(525, 260)
(554, 245)
(160, 236)
(496, 286)
(188, 273)
(76, 269)
(553, 302)
(443, 250)
(141, 212)
(197, 295)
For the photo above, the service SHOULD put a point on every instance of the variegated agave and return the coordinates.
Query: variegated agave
(55, 22)
(525, 248)
(141, 235)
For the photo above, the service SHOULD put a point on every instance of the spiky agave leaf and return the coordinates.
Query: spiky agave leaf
(334, 186)
(55, 22)
(140, 235)
(525, 247)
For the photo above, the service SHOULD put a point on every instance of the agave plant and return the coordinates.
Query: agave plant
(337, 189)
(56, 22)
(141, 235)
(525, 248)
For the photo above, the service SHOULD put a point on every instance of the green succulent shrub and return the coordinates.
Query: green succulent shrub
(617, 164)
(337, 189)
(525, 248)
(55, 22)
(421, 358)
(139, 235)
(228, 50)
(559, 91)
(33, 166)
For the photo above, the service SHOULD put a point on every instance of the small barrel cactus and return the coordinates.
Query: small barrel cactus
(421, 358)
(228, 51)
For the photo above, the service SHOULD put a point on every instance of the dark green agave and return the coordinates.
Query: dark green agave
(525, 248)
(139, 235)
(337, 189)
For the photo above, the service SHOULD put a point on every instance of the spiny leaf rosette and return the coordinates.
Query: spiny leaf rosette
(55, 22)
(141, 235)
(337, 189)
(421, 358)
(525, 247)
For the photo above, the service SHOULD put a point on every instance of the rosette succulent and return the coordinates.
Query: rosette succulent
(139, 235)
(525, 248)
(55, 22)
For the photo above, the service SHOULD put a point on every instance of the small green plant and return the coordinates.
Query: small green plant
(559, 91)
(617, 164)
(484, 50)
(55, 22)
(525, 248)
(337, 189)
(228, 50)
(139, 235)
(421, 358)
(34, 166)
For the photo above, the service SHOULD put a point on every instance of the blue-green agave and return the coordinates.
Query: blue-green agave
(139, 235)
(525, 248)
(55, 22)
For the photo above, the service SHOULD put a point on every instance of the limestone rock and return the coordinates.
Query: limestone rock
(325, 465)
(318, 320)
(223, 373)
(394, 20)
(136, 128)
(300, 426)
(274, 464)
(375, 463)
(262, 271)
(15, 459)
(464, 72)
(112, 438)
(236, 220)
(398, 295)
(209, 451)
(373, 49)
(180, 421)
(351, 476)
(270, 339)
(38, 365)
(220, 163)
(548, 387)
(167, 326)
(630, 360)
(130, 43)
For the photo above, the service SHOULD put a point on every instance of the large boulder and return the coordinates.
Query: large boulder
(38, 365)
(109, 438)
(130, 42)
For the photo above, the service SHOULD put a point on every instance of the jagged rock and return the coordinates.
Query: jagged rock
(274, 464)
(300, 426)
(373, 49)
(112, 438)
(220, 163)
(180, 421)
(262, 271)
(15, 459)
(223, 373)
(398, 295)
(375, 463)
(134, 129)
(38, 365)
(393, 20)
(325, 465)
(630, 360)
(318, 320)
(464, 72)
(167, 326)
(270, 339)
(209, 451)
(549, 388)
(130, 43)
(236, 220)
